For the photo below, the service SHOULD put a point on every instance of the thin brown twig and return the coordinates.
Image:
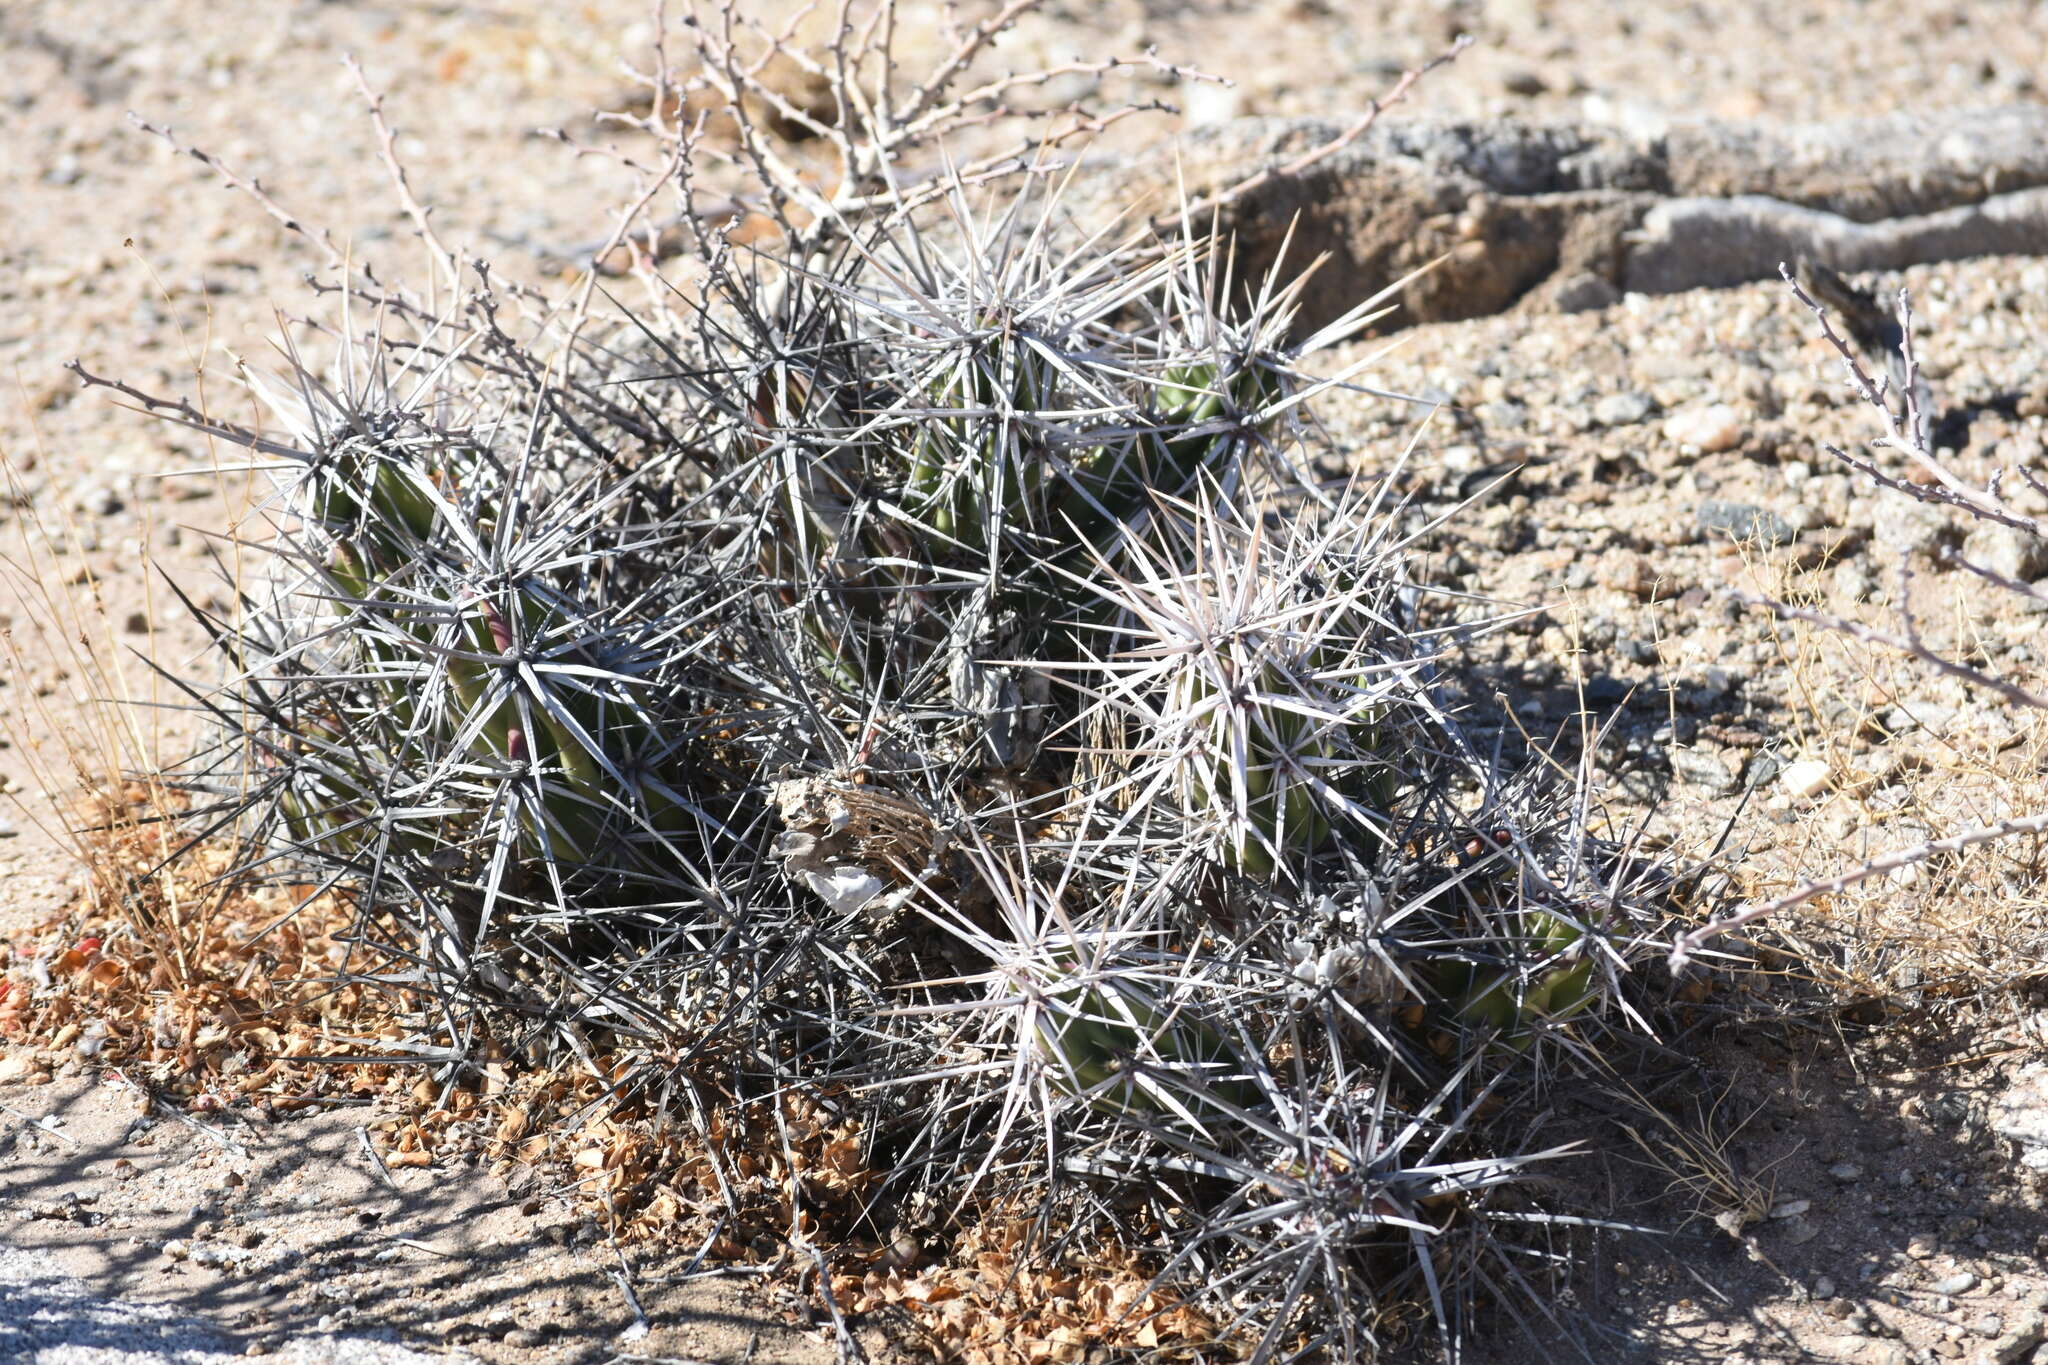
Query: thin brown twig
(184, 414)
(1952, 558)
(1903, 436)
(1935, 495)
(253, 188)
(387, 143)
(1909, 643)
(1689, 943)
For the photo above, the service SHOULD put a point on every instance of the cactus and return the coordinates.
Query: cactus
(1551, 981)
(1110, 1038)
(940, 691)
(922, 487)
(1254, 677)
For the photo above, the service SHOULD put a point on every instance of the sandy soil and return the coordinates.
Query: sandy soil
(120, 252)
(277, 1230)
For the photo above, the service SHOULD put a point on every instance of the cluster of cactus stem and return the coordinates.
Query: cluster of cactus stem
(935, 669)
(495, 675)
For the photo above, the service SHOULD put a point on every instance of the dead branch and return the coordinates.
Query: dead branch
(387, 143)
(1687, 944)
(252, 187)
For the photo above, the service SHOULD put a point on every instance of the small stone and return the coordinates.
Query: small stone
(1848, 1172)
(1805, 779)
(1622, 409)
(96, 500)
(1962, 1282)
(1704, 768)
(1853, 581)
(2007, 551)
(137, 623)
(1206, 103)
(2020, 1115)
(1711, 429)
(1908, 528)
(1823, 1288)
(1584, 292)
(2015, 1338)
(1921, 1246)
(1505, 415)
(1461, 458)
(1626, 571)
(1742, 521)
(1525, 83)
(523, 1338)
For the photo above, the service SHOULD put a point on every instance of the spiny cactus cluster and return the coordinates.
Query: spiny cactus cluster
(938, 681)
(934, 672)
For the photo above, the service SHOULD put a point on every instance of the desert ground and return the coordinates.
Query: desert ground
(1870, 1142)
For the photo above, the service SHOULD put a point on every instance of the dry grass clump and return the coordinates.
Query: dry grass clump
(192, 983)
(1958, 923)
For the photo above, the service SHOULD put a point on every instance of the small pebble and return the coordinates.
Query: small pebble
(1846, 1171)
(1962, 1282)
(1802, 781)
(1724, 521)
(1711, 429)
(1622, 409)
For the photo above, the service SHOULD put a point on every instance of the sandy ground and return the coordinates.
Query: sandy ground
(53, 1319)
(275, 1237)
(116, 250)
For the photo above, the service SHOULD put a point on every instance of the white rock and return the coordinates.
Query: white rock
(1711, 429)
(844, 887)
(2007, 552)
(1205, 103)
(1805, 779)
